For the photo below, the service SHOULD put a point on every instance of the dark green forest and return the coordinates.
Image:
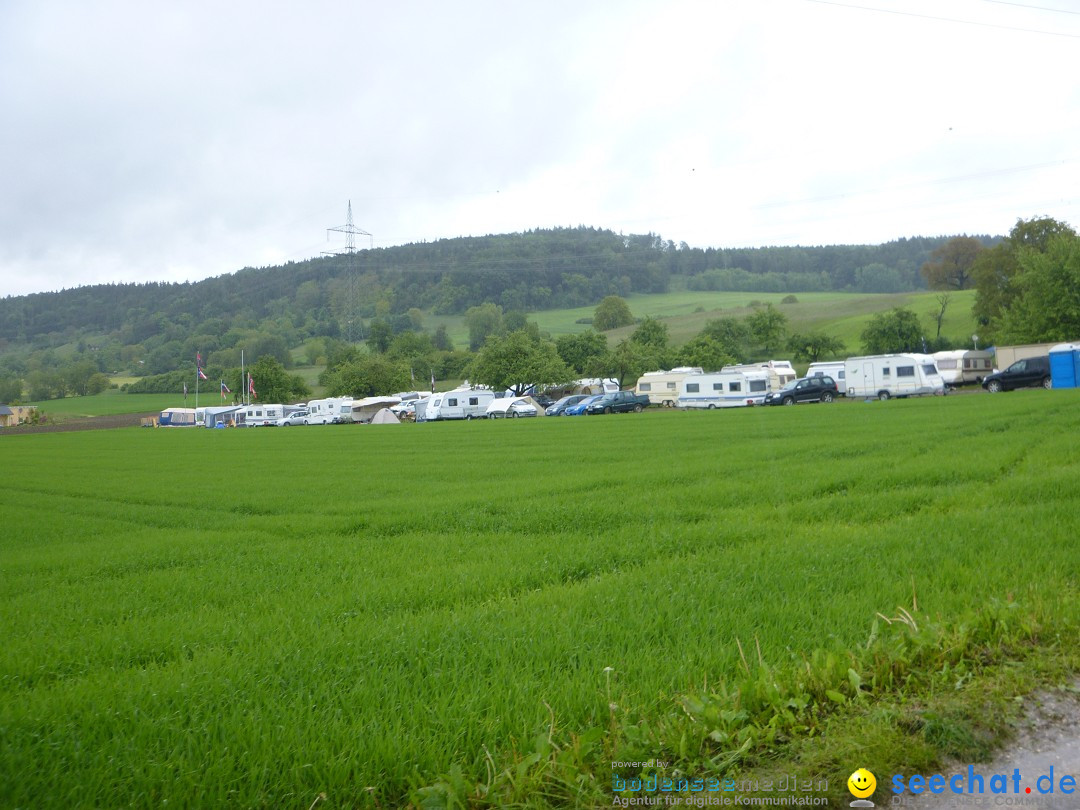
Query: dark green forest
(153, 328)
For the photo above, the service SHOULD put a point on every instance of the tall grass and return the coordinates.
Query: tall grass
(257, 617)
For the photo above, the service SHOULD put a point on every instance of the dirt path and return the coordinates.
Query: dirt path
(1048, 738)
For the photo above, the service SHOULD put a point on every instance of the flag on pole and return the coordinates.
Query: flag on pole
(224, 389)
(201, 375)
(185, 390)
(251, 387)
(433, 381)
(198, 359)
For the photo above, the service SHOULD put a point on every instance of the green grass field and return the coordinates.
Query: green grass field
(197, 618)
(115, 401)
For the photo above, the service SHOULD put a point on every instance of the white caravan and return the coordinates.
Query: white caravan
(262, 415)
(892, 375)
(780, 372)
(723, 389)
(662, 387)
(461, 403)
(964, 365)
(831, 368)
(328, 411)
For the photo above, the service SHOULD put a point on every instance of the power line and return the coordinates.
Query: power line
(1034, 8)
(946, 19)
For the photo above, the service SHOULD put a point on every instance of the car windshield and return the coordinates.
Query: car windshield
(790, 386)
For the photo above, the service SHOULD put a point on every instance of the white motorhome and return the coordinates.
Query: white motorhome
(831, 368)
(892, 375)
(329, 411)
(662, 387)
(461, 403)
(261, 415)
(964, 365)
(780, 372)
(723, 389)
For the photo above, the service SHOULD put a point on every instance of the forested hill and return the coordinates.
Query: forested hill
(529, 271)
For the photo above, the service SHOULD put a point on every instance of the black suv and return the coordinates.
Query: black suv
(1021, 374)
(818, 388)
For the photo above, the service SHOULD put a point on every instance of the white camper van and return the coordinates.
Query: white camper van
(831, 368)
(263, 415)
(780, 372)
(723, 389)
(461, 403)
(892, 375)
(329, 411)
(662, 387)
(964, 365)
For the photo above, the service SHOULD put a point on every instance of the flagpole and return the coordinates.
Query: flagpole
(243, 378)
(197, 356)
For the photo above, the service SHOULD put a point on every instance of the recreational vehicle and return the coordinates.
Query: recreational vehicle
(225, 416)
(780, 372)
(964, 365)
(892, 375)
(328, 411)
(831, 368)
(263, 415)
(177, 417)
(723, 389)
(662, 387)
(461, 403)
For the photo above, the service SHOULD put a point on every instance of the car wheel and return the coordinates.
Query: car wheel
(1047, 383)
(994, 386)
(827, 396)
(607, 410)
(712, 407)
(883, 395)
(284, 424)
(789, 401)
(306, 422)
(637, 409)
(514, 414)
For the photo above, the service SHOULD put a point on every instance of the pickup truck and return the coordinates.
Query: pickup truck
(619, 402)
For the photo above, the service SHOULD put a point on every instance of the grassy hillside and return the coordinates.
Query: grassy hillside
(201, 618)
(841, 314)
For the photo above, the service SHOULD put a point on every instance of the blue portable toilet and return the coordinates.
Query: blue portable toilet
(1065, 365)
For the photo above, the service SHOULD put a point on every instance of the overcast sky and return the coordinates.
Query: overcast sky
(174, 141)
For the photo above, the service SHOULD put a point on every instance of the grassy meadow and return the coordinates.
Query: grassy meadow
(195, 618)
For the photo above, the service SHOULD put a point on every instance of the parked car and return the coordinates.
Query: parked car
(579, 408)
(619, 402)
(511, 408)
(1030, 371)
(544, 401)
(559, 408)
(294, 418)
(819, 388)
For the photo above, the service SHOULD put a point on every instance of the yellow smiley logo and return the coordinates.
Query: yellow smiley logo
(861, 783)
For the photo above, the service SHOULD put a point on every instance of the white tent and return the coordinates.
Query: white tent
(385, 417)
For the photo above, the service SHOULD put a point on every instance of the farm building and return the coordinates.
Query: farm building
(1005, 356)
(12, 415)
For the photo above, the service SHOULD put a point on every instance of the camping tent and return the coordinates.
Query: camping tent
(385, 417)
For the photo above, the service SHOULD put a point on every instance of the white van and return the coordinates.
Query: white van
(461, 403)
(723, 389)
(662, 387)
(780, 372)
(892, 375)
(329, 411)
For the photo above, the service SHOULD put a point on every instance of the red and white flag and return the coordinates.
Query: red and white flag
(251, 387)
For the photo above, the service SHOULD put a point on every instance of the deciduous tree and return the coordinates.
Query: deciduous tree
(611, 313)
(950, 266)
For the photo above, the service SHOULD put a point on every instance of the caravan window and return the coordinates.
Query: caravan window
(692, 388)
(757, 385)
(645, 386)
(929, 368)
(950, 364)
(885, 372)
(452, 403)
(717, 386)
(734, 386)
(671, 386)
(905, 371)
(474, 400)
